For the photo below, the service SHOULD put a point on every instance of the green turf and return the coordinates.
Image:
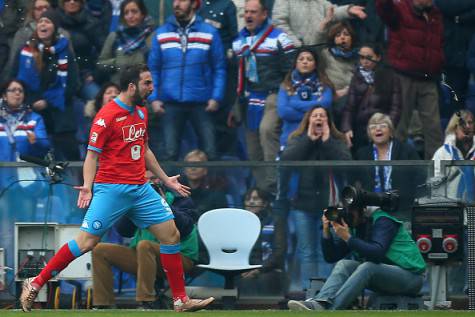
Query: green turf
(235, 313)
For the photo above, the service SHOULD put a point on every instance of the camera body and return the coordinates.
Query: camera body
(337, 214)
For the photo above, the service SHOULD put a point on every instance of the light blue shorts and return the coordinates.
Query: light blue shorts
(141, 203)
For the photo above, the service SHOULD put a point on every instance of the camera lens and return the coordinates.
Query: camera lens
(349, 195)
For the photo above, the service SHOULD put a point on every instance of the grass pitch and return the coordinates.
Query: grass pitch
(234, 313)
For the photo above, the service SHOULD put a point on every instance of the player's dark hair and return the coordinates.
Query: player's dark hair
(131, 75)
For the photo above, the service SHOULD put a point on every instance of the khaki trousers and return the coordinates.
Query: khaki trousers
(144, 262)
(420, 95)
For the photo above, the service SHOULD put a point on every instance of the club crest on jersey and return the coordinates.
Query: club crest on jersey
(101, 122)
(133, 132)
(94, 137)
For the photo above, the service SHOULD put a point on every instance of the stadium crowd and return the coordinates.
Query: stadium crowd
(256, 80)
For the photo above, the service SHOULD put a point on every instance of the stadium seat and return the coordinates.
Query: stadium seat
(229, 235)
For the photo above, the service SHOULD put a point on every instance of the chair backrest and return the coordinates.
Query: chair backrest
(229, 235)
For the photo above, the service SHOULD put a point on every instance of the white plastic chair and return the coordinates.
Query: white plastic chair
(229, 235)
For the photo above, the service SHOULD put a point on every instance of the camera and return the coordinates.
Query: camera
(354, 197)
(337, 214)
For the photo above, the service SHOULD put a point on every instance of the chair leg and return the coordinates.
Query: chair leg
(229, 281)
(229, 302)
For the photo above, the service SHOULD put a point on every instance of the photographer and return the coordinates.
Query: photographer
(386, 259)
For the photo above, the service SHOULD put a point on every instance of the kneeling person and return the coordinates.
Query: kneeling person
(388, 261)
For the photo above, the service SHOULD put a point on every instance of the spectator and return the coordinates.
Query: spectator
(300, 18)
(265, 54)
(87, 38)
(459, 26)
(388, 261)
(142, 256)
(222, 15)
(258, 202)
(416, 53)
(48, 68)
(339, 58)
(384, 147)
(207, 192)
(24, 130)
(458, 145)
(24, 34)
(316, 139)
(370, 29)
(304, 87)
(159, 10)
(130, 44)
(188, 68)
(12, 17)
(267, 278)
(107, 11)
(373, 88)
(107, 93)
(240, 13)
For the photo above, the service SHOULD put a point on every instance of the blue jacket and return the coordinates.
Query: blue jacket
(30, 122)
(291, 109)
(194, 73)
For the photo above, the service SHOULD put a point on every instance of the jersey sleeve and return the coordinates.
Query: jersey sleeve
(100, 131)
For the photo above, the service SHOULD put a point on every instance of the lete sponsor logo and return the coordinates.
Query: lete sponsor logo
(133, 132)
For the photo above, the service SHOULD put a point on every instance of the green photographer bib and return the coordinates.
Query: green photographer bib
(403, 250)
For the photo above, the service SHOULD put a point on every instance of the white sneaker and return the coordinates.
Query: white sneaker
(191, 304)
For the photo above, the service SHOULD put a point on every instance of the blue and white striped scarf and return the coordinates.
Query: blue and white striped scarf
(130, 39)
(28, 72)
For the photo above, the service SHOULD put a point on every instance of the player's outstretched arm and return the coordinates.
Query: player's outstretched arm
(172, 182)
(89, 172)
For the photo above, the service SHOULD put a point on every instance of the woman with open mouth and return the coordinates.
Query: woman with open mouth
(385, 147)
(339, 57)
(316, 139)
(47, 65)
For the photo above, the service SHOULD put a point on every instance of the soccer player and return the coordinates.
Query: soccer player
(118, 139)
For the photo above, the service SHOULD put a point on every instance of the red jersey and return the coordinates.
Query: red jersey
(119, 134)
